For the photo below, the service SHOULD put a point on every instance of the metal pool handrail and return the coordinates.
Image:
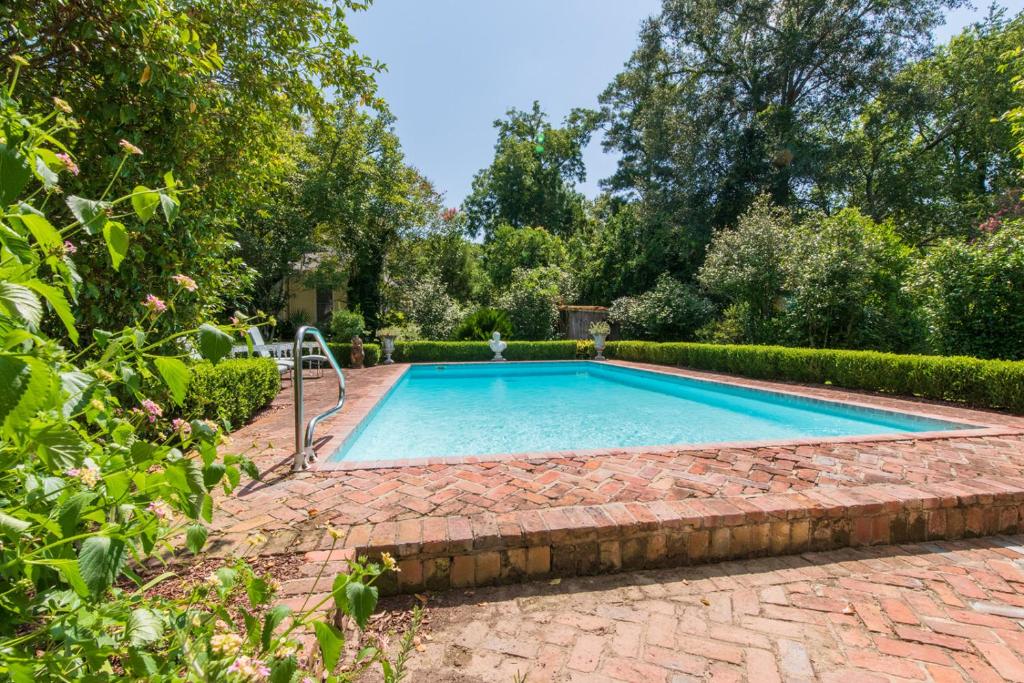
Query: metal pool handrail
(304, 453)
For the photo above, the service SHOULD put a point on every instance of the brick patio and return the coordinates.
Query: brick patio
(944, 612)
(477, 521)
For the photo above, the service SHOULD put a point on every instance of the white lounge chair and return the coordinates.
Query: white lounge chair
(264, 350)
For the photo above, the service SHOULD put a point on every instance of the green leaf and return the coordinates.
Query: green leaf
(213, 473)
(46, 174)
(99, 562)
(117, 483)
(14, 174)
(259, 591)
(69, 570)
(17, 243)
(170, 207)
(20, 302)
(145, 201)
(46, 235)
(117, 241)
(144, 626)
(90, 213)
(175, 375)
(12, 526)
(77, 388)
(59, 303)
(338, 591)
(330, 640)
(28, 387)
(60, 445)
(186, 476)
(206, 508)
(195, 538)
(214, 343)
(275, 615)
(283, 670)
(70, 515)
(362, 600)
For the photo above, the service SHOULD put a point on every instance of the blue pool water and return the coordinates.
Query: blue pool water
(476, 409)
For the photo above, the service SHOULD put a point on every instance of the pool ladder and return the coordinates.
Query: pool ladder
(304, 453)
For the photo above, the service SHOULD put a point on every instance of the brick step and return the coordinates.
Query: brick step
(439, 553)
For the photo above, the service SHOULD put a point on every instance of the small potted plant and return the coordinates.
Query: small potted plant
(388, 335)
(599, 330)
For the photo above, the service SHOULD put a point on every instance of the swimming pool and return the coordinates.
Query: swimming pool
(490, 408)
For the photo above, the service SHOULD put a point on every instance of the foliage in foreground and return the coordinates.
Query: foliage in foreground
(95, 480)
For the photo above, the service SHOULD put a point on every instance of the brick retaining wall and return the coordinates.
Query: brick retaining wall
(439, 553)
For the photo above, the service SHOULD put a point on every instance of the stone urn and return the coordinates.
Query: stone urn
(388, 343)
(599, 346)
(497, 346)
(357, 354)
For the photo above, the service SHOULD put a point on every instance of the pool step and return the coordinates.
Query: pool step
(440, 553)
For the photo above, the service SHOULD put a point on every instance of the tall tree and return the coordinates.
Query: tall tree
(930, 152)
(363, 199)
(531, 180)
(725, 99)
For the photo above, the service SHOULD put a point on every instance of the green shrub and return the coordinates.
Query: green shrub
(482, 323)
(532, 300)
(671, 310)
(233, 390)
(976, 382)
(343, 353)
(449, 352)
(345, 324)
(970, 293)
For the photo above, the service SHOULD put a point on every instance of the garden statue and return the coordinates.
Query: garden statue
(357, 352)
(497, 345)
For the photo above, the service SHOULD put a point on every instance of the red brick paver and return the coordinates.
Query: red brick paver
(948, 611)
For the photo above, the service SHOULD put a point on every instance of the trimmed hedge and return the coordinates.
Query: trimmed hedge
(442, 352)
(233, 390)
(979, 383)
(343, 353)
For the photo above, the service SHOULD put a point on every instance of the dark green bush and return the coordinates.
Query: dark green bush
(980, 383)
(233, 390)
(343, 353)
(482, 323)
(444, 352)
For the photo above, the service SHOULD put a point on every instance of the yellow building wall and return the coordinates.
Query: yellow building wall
(302, 299)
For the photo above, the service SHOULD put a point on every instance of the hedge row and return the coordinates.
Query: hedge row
(980, 383)
(343, 353)
(233, 390)
(443, 351)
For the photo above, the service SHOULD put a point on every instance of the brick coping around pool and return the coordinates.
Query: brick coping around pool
(361, 413)
(563, 514)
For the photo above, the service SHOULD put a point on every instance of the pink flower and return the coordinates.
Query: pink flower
(68, 163)
(154, 304)
(185, 282)
(181, 426)
(159, 508)
(249, 669)
(153, 410)
(69, 247)
(129, 147)
(234, 320)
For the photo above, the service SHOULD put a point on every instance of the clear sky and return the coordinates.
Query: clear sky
(454, 66)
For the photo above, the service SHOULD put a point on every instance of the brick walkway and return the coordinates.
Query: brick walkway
(929, 612)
